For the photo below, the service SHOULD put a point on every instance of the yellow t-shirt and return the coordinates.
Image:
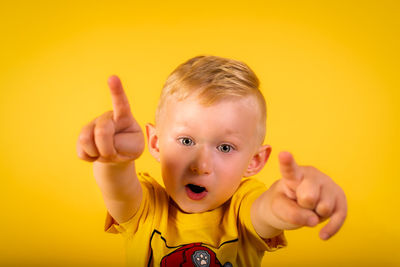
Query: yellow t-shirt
(161, 235)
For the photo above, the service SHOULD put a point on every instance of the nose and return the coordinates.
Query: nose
(202, 162)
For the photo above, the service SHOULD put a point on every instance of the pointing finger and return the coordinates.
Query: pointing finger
(291, 173)
(119, 99)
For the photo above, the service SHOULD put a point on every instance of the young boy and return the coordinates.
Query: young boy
(208, 138)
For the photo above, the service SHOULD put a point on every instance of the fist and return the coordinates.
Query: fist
(114, 136)
(305, 197)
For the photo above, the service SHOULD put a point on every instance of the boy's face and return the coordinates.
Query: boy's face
(205, 151)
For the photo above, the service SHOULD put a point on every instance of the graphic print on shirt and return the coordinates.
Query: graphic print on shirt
(187, 255)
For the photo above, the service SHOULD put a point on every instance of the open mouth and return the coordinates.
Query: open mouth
(196, 188)
(195, 192)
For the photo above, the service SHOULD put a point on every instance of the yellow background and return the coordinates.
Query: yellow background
(329, 71)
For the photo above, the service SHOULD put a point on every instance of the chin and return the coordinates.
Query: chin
(193, 208)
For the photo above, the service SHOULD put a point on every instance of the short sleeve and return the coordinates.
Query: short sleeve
(250, 191)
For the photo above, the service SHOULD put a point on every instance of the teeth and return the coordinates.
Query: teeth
(196, 188)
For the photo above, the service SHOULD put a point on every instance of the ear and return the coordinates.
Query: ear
(258, 161)
(152, 141)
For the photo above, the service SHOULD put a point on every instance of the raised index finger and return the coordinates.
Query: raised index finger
(290, 171)
(119, 99)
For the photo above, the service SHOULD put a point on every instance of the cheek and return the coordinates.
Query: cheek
(167, 153)
(230, 174)
(172, 160)
(234, 166)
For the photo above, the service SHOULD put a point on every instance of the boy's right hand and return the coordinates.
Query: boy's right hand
(114, 136)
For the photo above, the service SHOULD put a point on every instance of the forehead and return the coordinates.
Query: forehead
(231, 115)
(206, 102)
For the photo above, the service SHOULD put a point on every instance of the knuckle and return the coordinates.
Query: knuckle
(101, 132)
(315, 173)
(107, 115)
(85, 139)
(85, 134)
(309, 169)
(307, 200)
(324, 209)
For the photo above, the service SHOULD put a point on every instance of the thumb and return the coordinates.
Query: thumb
(290, 171)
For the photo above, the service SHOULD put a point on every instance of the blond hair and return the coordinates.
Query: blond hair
(214, 79)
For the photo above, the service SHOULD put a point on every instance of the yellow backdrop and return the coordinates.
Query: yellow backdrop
(329, 71)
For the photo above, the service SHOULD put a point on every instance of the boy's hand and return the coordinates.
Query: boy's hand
(304, 197)
(114, 136)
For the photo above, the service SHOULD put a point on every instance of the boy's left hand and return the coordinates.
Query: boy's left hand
(309, 191)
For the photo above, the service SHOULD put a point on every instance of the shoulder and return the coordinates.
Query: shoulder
(249, 186)
(248, 191)
(149, 183)
(147, 180)
(153, 192)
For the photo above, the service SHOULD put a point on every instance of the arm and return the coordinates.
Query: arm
(261, 218)
(303, 197)
(120, 188)
(113, 141)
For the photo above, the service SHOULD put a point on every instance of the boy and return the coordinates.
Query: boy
(208, 138)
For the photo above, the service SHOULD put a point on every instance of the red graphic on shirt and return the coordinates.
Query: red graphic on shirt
(192, 255)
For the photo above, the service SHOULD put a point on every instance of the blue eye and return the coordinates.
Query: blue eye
(225, 148)
(186, 141)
